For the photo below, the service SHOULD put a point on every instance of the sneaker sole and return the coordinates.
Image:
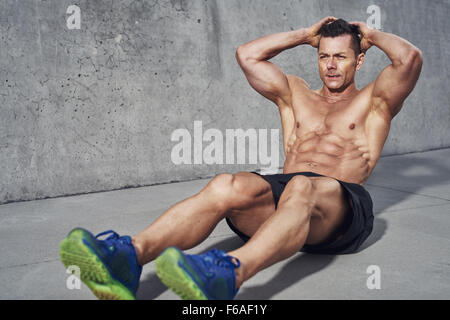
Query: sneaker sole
(175, 278)
(93, 272)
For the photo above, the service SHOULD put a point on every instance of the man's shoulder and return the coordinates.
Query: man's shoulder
(297, 87)
(296, 83)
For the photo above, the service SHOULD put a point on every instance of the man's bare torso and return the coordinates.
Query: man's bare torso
(342, 139)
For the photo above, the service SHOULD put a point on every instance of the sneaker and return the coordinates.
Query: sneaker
(108, 267)
(208, 276)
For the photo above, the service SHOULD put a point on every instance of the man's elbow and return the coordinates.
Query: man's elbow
(414, 59)
(417, 56)
(241, 54)
(247, 52)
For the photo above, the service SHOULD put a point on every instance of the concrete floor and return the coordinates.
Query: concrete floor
(410, 243)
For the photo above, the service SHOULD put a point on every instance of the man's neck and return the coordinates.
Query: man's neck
(338, 95)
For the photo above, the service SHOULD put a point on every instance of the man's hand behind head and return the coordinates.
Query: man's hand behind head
(314, 37)
(365, 31)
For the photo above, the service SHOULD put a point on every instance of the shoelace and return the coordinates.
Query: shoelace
(113, 237)
(224, 260)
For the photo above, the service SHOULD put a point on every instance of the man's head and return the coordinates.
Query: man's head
(341, 27)
(340, 54)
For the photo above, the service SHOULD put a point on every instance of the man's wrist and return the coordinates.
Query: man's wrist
(308, 37)
(303, 36)
(370, 35)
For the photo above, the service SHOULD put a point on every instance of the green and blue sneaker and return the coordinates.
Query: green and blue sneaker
(208, 276)
(108, 267)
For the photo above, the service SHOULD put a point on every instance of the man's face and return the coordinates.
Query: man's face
(337, 62)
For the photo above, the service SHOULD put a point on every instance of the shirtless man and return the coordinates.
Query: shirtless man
(332, 139)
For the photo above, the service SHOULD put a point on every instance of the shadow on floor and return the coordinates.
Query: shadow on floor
(293, 272)
(297, 269)
(437, 173)
(150, 288)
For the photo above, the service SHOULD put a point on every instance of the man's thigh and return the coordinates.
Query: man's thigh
(329, 212)
(253, 202)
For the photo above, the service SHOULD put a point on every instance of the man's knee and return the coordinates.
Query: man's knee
(227, 183)
(228, 189)
(218, 189)
(299, 185)
(221, 184)
(299, 190)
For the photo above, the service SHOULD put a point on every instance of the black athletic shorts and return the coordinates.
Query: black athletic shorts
(356, 228)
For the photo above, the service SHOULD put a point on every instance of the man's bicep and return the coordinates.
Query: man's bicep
(394, 84)
(267, 79)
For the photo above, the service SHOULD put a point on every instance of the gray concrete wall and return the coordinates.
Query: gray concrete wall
(92, 109)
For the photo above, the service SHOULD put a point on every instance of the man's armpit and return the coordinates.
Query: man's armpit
(381, 108)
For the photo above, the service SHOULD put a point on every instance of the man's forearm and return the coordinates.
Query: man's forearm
(269, 46)
(397, 49)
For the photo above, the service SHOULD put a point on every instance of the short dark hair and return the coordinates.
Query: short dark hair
(340, 27)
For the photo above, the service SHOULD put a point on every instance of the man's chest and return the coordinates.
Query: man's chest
(345, 118)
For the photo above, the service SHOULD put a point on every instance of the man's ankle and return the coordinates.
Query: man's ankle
(239, 274)
(139, 252)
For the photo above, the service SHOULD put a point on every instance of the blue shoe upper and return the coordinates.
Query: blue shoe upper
(119, 256)
(213, 272)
